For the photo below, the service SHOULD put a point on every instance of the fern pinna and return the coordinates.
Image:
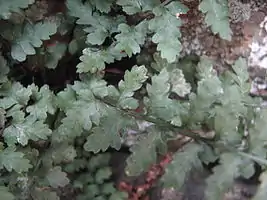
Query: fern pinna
(53, 140)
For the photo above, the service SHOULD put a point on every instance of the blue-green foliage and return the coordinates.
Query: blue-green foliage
(51, 140)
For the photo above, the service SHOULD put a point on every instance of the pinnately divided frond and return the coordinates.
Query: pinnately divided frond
(183, 162)
(223, 176)
(131, 7)
(165, 26)
(31, 37)
(217, 13)
(143, 154)
(7, 7)
(217, 17)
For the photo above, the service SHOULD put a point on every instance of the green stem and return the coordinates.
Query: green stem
(211, 142)
(164, 3)
(252, 157)
(244, 154)
(157, 122)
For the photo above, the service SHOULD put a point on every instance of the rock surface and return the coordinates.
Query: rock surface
(248, 20)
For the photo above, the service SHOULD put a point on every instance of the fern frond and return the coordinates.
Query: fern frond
(217, 13)
(108, 133)
(132, 82)
(143, 153)
(7, 7)
(183, 162)
(10, 159)
(223, 176)
(159, 104)
(130, 38)
(31, 37)
(132, 7)
(165, 25)
(6, 194)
